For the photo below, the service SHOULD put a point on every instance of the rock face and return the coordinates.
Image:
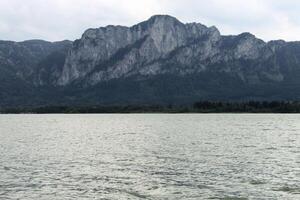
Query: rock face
(160, 60)
(114, 51)
(24, 58)
(147, 48)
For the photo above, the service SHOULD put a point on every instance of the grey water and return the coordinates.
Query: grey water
(150, 156)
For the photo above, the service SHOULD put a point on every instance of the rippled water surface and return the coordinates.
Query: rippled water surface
(226, 156)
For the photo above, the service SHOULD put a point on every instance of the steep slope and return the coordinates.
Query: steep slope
(23, 57)
(115, 51)
(163, 45)
(146, 63)
(158, 61)
(21, 65)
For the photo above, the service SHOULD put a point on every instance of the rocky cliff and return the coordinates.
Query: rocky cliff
(164, 45)
(161, 60)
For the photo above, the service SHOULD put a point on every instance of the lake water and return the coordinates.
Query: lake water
(150, 156)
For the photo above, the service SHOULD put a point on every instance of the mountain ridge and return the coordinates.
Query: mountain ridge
(160, 60)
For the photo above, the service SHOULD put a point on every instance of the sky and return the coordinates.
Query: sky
(56, 20)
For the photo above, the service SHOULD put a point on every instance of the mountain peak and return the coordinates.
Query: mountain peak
(163, 19)
(159, 60)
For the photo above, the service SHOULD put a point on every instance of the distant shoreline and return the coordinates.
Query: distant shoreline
(150, 113)
(201, 107)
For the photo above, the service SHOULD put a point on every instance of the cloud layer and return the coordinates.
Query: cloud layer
(67, 19)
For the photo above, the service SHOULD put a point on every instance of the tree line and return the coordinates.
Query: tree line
(197, 107)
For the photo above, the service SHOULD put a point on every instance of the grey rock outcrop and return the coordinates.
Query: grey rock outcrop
(148, 48)
(160, 60)
(114, 51)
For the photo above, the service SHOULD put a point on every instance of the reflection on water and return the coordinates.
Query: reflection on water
(226, 156)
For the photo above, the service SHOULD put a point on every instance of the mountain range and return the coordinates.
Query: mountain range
(158, 61)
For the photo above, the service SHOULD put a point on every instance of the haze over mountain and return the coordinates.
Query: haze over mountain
(158, 61)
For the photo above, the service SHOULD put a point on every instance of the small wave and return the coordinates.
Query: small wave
(288, 189)
(135, 194)
(257, 182)
(229, 198)
(234, 198)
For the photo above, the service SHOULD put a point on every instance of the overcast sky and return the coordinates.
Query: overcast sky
(67, 19)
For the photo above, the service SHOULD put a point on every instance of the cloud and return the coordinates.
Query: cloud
(67, 19)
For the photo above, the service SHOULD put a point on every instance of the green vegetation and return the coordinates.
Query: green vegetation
(248, 107)
(198, 107)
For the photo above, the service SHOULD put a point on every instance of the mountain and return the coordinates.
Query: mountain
(158, 61)
(21, 66)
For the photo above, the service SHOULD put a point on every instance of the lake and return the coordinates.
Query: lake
(150, 156)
